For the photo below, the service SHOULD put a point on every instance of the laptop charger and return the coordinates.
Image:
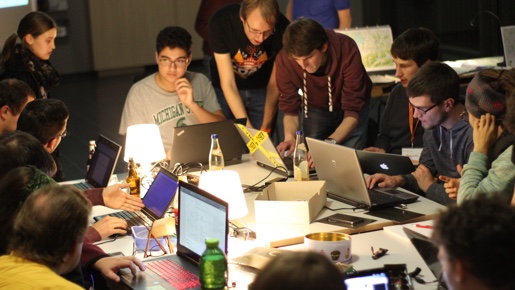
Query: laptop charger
(278, 179)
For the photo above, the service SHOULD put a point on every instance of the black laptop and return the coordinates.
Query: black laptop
(201, 215)
(387, 163)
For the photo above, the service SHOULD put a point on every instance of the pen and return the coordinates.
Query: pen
(424, 226)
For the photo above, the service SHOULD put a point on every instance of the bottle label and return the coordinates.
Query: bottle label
(301, 172)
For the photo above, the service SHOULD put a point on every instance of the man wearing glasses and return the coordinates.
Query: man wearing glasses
(245, 40)
(433, 92)
(172, 97)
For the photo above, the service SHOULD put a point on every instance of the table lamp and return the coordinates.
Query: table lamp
(226, 185)
(143, 143)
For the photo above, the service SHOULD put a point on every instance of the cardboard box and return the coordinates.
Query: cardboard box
(296, 202)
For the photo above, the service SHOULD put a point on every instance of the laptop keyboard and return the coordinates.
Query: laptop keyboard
(173, 273)
(82, 186)
(133, 218)
(378, 197)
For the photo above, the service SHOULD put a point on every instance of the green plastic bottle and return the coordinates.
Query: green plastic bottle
(213, 266)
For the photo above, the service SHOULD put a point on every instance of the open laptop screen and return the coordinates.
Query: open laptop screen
(160, 194)
(201, 216)
(103, 162)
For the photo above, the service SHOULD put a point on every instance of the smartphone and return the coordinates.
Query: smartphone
(347, 219)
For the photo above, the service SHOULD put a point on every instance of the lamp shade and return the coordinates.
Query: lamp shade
(143, 143)
(226, 185)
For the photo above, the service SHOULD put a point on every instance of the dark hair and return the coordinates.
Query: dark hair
(300, 271)
(14, 93)
(15, 187)
(35, 24)
(303, 36)
(173, 37)
(479, 232)
(269, 9)
(419, 44)
(437, 80)
(21, 149)
(43, 118)
(50, 223)
(509, 120)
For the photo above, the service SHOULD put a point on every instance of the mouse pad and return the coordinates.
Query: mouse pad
(394, 214)
(347, 221)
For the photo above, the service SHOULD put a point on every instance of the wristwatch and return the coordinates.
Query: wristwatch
(330, 140)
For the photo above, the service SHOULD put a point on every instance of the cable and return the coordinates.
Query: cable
(254, 187)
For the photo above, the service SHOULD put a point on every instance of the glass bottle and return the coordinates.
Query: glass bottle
(300, 159)
(213, 266)
(216, 157)
(133, 179)
(92, 146)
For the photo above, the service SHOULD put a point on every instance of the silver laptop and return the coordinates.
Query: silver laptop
(191, 144)
(263, 149)
(102, 165)
(339, 167)
(201, 215)
(390, 164)
(157, 200)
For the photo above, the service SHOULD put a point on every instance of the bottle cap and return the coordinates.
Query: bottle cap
(91, 142)
(212, 242)
(299, 132)
(214, 136)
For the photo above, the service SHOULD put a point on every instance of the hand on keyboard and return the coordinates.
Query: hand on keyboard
(109, 266)
(109, 226)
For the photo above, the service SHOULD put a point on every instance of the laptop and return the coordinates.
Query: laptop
(102, 164)
(428, 251)
(201, 215)
(191, 144)
(157, 200)
(339, 167)
(390, 164)
(264, 151)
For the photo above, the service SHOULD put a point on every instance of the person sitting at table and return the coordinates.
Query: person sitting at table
(172, 97)
(46, 239)
(490, 169)
(14, 96)
(434, 94)
(21, 149)
(475, 244)
(15, 187)
(299, 270)
(399, 128)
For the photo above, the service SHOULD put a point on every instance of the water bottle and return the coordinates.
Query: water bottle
(216, 157)
(213, 266)
(92, 146)
(300, 159)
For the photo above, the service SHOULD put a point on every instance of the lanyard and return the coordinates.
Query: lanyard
(411, 128)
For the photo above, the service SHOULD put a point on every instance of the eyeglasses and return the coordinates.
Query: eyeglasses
(464, 116)
(181, 62)
(422, 110)
(64, 134)
(257, 32)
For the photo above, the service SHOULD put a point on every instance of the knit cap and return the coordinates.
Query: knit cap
(481, 99)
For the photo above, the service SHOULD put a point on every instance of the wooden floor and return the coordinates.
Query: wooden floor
(95, 104)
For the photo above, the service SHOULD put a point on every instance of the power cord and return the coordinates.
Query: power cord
(254, 187)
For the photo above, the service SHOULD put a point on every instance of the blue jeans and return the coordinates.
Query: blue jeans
(321, 123)
(254, 102)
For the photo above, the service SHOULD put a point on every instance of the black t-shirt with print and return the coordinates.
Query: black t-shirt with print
(252, 65)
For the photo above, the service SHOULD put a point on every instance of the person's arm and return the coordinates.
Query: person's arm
(291, 125)
(229, 88)
(349, 123)
(185, 92)
(271, 102)
(345, 18)
(289, 10)
(202, 20)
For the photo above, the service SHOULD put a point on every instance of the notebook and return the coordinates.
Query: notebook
(428, 251)
(102, 164)
(201, 215)
(390, 164)
(339, 167)
(157, 200)
(264, 151)
(191, 144)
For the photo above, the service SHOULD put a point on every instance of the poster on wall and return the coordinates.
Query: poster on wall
(13, 3)
(508, 41)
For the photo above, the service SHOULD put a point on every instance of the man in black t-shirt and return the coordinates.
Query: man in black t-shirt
(245, 40)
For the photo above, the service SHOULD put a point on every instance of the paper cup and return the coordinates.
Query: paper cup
(335, 246)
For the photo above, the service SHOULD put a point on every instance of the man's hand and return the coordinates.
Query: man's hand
(424, 177)
(374, 149)
(109, 266)
(109, 225)
(114, 197)
(286, 146)
(452, 185)
(484, 133)
(383, 180)
(185, 91)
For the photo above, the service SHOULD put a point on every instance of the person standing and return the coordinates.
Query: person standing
(329, 13)
(248, 38)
